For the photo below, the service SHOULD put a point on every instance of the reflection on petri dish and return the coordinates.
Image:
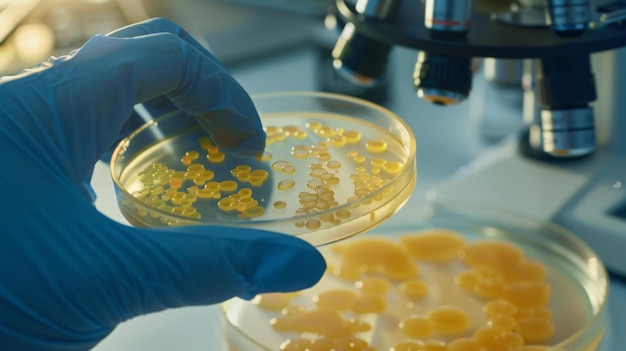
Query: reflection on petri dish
(315, 179)
(455, 279)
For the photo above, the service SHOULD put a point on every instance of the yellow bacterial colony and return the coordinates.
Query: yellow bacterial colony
(335, 159)
(425, 291)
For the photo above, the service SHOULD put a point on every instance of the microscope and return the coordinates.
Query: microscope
(568, 164)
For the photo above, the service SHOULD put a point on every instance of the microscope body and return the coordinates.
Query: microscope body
(568, 165)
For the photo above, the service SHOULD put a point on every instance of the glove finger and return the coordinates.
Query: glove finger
(216, 122)
(197, 83)
(116, 74)
(206, 265)
(159, 106)
(161, 25)
(202, 89)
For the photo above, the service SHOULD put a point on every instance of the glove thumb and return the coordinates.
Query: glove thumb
(161, 269)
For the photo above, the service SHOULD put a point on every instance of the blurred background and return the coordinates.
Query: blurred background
(32, 30)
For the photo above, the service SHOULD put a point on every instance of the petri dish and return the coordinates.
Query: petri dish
(334, 166)
(482, 279)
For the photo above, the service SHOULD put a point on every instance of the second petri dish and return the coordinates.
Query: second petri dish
(457, 278)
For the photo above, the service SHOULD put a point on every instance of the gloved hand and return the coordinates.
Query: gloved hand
(69, 274)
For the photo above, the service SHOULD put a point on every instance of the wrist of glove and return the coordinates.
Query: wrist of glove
(70, 273)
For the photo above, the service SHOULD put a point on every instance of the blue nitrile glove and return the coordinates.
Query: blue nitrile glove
(68, 274)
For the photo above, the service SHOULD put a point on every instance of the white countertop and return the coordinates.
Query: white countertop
(447, 140)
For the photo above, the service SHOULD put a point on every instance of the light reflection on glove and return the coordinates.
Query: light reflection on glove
(69, 274)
